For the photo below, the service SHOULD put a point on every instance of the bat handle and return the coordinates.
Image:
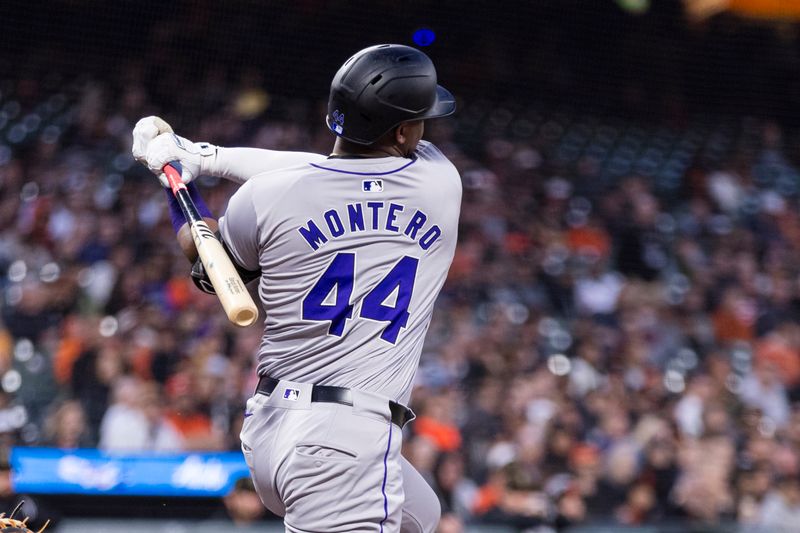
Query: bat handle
(238, 304)
(173, 172)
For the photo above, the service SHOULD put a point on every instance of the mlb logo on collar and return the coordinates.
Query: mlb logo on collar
(291, 394)
(372, 186)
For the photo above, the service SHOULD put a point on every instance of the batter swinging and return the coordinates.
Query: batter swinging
(351, 250)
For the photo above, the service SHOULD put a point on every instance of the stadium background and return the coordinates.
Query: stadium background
(617, 344)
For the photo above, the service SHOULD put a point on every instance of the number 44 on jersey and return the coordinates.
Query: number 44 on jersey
(340, 275)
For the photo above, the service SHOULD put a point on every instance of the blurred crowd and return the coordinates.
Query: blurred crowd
(603, 351)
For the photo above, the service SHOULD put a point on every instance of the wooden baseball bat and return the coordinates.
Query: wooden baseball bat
(233, 295)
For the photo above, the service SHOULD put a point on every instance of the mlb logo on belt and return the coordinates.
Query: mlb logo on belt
(372, 186)
(291, 394)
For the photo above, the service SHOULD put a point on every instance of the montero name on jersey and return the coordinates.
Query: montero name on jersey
(379, 216)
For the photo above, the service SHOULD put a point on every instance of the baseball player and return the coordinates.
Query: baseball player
(351, 250)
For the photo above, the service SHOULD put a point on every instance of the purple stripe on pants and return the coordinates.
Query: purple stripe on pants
(385, 473)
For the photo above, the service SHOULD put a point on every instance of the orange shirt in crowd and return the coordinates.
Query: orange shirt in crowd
(190, 426)
(776, 351)
(729, 326)
(446, 436)
(68, 351)
(589, 240)
(487, 498)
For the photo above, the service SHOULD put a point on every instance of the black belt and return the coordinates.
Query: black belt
(329, 394)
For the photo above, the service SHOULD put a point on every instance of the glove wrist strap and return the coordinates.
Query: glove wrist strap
(208, 158)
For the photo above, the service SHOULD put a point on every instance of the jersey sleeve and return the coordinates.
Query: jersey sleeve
(239, 228)
(451, 202)
(429, 152)
(448, 187)
(447, 175)
(241, 164)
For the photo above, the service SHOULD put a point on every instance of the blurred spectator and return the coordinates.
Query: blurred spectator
(243, 504)
(186, 416)
(435, 423)
(66, 427)
(780, 510)
(135, 420)
(763, 389)
(456, 493)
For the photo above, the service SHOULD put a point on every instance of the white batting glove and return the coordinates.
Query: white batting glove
(145, 131)
(195, 158)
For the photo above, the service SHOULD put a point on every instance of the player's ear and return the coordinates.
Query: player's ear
(410, 131)
(400, 134)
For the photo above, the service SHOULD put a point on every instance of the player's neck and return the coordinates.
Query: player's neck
(344, 148)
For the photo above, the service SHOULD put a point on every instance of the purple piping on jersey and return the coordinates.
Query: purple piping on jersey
(364, 173)
(385, 472)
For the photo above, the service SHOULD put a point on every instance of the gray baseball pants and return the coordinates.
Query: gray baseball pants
(327, 467)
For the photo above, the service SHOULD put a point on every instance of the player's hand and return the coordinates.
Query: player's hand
(145, 131)
(195, 158)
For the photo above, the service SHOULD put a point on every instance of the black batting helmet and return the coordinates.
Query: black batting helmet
(382, 86)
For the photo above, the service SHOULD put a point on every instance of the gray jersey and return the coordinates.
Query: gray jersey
(352, 253)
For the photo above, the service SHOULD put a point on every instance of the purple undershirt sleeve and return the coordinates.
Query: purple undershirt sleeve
(175, 213)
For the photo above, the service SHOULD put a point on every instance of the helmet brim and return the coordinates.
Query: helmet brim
(445, 104)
